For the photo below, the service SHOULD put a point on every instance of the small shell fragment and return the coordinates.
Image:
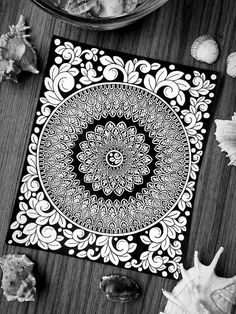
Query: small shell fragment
(205, 49)
(18, 283)
(231, 65)
(119, 288)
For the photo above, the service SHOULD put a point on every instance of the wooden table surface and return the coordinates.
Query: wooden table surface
(68, 285)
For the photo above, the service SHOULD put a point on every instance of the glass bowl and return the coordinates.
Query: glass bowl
(102, 24)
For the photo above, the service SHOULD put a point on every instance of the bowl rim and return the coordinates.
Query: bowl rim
(130, 17)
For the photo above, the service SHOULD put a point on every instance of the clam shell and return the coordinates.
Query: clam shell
(231, 65)
(18, 283)
(205, 49)
(119, 288)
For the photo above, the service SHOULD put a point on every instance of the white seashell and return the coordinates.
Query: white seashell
(18, 283)
(226, 136)
(16, 53)
(201, 291)
(231, 65)
(205, 49)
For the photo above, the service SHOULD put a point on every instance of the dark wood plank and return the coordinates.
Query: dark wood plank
(68, 285)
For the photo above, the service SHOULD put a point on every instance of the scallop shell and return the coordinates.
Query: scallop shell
(18, 283)
(119, 288)
(16, 53)
(231, 65)
(205, 49)
(226, 136)
(201, 291)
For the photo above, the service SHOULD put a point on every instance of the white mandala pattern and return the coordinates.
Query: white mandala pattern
(113, 159)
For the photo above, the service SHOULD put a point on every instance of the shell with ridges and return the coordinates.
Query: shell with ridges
(18, 283)
(231, 65)
(16, 53)
(201, 291)
(205, 49)
(226, 136)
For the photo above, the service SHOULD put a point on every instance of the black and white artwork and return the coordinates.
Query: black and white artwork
(113, 158)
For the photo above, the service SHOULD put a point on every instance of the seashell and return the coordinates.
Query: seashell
(129, 5)
(16, 53)
(231, 65)
(119, 288)
(18, 283)
(201, 291)
(80, 7)
(205, 49)
(226, 136)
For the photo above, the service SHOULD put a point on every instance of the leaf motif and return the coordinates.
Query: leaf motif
(23, 206)
(145, 240)
(183, 85)
(27, 195)
(65, 67)
(15, 225)
(54, 218)
(105, 250)
(41, 119)
(32, 213)
(34, 238)
(67, 233)
(149, 82)
(155, 66)
(128, 265)
(89, 66)
(118, 61)
(113, 258)
(59, 50)
(129, 67)
(144, 255)
(82, 254)
(82, 245)
(41, 220)
(175, 75)
(153, 247)
(106, 60)
(85, 80)
(133, 77)
(55, 245)
(74, 71)
(71, 243)
(132, 247)
(69, 45)
(30, 228)
(52, 97)
(62, 222)
(180, 98)
(40, 196)
(125, 257)
(42, 245)
(60, 238)
(102, 240)
(194, 93)
(48, 83)
(53, 72)
(161, 75)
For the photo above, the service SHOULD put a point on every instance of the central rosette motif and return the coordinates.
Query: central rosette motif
(114, 158)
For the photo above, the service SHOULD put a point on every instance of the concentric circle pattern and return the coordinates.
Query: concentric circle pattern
(113, 158)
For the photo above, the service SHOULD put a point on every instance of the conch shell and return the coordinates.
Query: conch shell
(231, 65)
(16, 53)
(205, 49)
(201, 291)
(18, 283)
(226, 136)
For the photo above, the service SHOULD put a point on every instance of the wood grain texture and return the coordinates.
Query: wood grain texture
(68, 285)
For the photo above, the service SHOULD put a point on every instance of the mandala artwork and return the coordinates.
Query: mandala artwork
(113, 159)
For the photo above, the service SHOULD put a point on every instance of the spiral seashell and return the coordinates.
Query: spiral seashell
(18, 283)
(201, 291)
(231, 65)
(226, 136)
(205, 49)
(16, 53)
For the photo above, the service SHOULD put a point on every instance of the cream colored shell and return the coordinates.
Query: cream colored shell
(226, 136)
(231, 65)
(205, 49)
(18, 283)
(16, 53)
(201, 291)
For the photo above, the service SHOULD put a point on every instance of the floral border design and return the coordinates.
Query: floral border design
(37, 224)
